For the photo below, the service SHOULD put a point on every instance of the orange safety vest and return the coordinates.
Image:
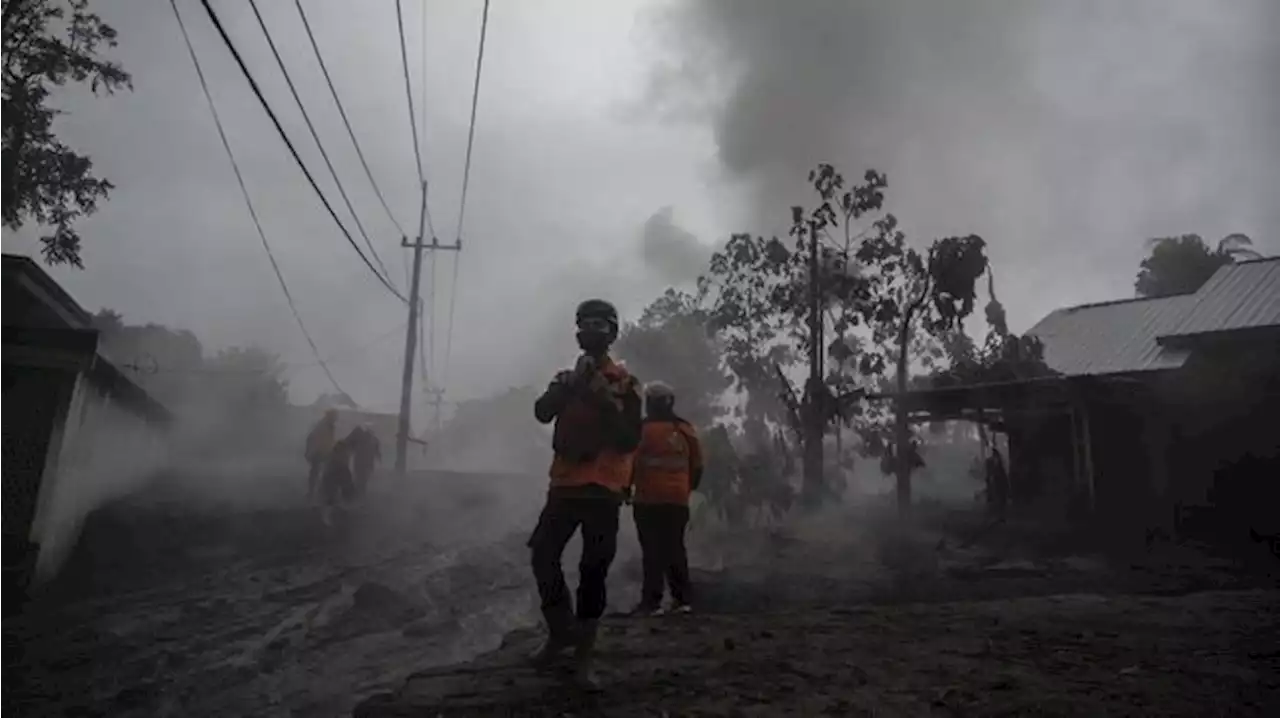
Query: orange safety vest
(610, 469)
(664, 464)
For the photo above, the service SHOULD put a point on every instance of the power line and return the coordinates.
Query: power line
(427, 352)
(448, 337)
(466, 181)
(244, 190)
(408, 91)
(471, 130)
(342, 111)
(355, 350)
(342, 192)
(257, 91)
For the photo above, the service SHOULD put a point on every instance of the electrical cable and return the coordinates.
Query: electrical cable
(413, 120)
(429, 350)
(257, 91)
(408, 91)
(471, 130)
(253, 214)
(466, 181)
(342, 192)
(306, 24)
(355, 350)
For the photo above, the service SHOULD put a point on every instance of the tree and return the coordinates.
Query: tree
(1182, 264)
(163, 361)
(671, 343)
(1003, 357)
(761, 289)
(868, 280)
(247, 379)
(46, 44)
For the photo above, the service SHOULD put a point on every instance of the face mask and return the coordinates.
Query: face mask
(592, 341)
(594, 335)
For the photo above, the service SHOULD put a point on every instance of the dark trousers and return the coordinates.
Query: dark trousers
(363, 470)
(560, 518)
(314, 475)
(661, 529)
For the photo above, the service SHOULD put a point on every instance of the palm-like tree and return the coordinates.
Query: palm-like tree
(1181, 265)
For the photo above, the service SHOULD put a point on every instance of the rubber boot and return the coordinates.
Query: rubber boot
(559, 638)
(584, 656)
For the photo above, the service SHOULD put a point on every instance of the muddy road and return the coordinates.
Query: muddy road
(172, 610)
(175, 609)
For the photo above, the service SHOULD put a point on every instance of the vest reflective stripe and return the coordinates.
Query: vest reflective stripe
(610, 468)
(662, 475)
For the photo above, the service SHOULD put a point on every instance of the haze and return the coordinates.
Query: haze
(618, 142)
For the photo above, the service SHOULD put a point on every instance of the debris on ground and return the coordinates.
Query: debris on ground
(1210, 653)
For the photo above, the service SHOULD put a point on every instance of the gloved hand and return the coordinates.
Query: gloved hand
(585, 366)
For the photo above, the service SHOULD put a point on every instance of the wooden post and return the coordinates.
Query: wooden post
(1087, 436)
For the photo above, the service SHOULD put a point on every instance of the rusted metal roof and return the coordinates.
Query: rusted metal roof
(1244, 295)
(1113, 337)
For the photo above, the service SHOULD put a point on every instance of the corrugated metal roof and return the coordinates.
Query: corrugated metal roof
(1244, 295)
(1112, 337)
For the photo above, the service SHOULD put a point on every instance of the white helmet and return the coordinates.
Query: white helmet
(657, 390)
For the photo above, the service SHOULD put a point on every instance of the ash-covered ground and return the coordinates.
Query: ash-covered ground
(256, 611)
(178, 607)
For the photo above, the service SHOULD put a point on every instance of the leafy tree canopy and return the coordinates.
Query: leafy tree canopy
(882, 302)
(47, 44)
(1182, 264)
(172, 366)
(671, 342)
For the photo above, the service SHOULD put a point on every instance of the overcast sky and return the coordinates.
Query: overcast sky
(618, 141)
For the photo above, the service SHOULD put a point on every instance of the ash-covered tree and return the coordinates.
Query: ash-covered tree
(249, 379)
(48, 44)
(671, 342)
(1002, 357)
(759, 292)
(1182, 264)
(171, 364)
(869, 283)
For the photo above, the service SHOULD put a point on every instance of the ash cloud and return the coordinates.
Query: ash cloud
(1064, 133)
(670, 251)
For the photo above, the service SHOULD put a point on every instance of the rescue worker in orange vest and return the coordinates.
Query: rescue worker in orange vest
(668, 466)
(596, 409)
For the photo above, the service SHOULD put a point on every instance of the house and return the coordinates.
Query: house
(1157, 404)
(65, 406)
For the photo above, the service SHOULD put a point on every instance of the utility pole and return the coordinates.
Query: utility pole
(814, 419)
(411, 333)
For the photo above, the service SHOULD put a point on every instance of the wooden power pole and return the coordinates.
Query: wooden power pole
(411, 333)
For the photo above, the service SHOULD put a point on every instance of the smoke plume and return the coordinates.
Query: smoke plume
(1064, 133)
(670, 251)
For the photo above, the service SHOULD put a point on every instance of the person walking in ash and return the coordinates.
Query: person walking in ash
(596, 408)
(366, 452)
(338, 487)
(667, 467)
(320, 442)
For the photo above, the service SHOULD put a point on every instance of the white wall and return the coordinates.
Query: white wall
(106, 451)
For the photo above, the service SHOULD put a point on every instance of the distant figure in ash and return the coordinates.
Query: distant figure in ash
(667, 467)
(366, 452)
(338, 487)
(319, 443)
